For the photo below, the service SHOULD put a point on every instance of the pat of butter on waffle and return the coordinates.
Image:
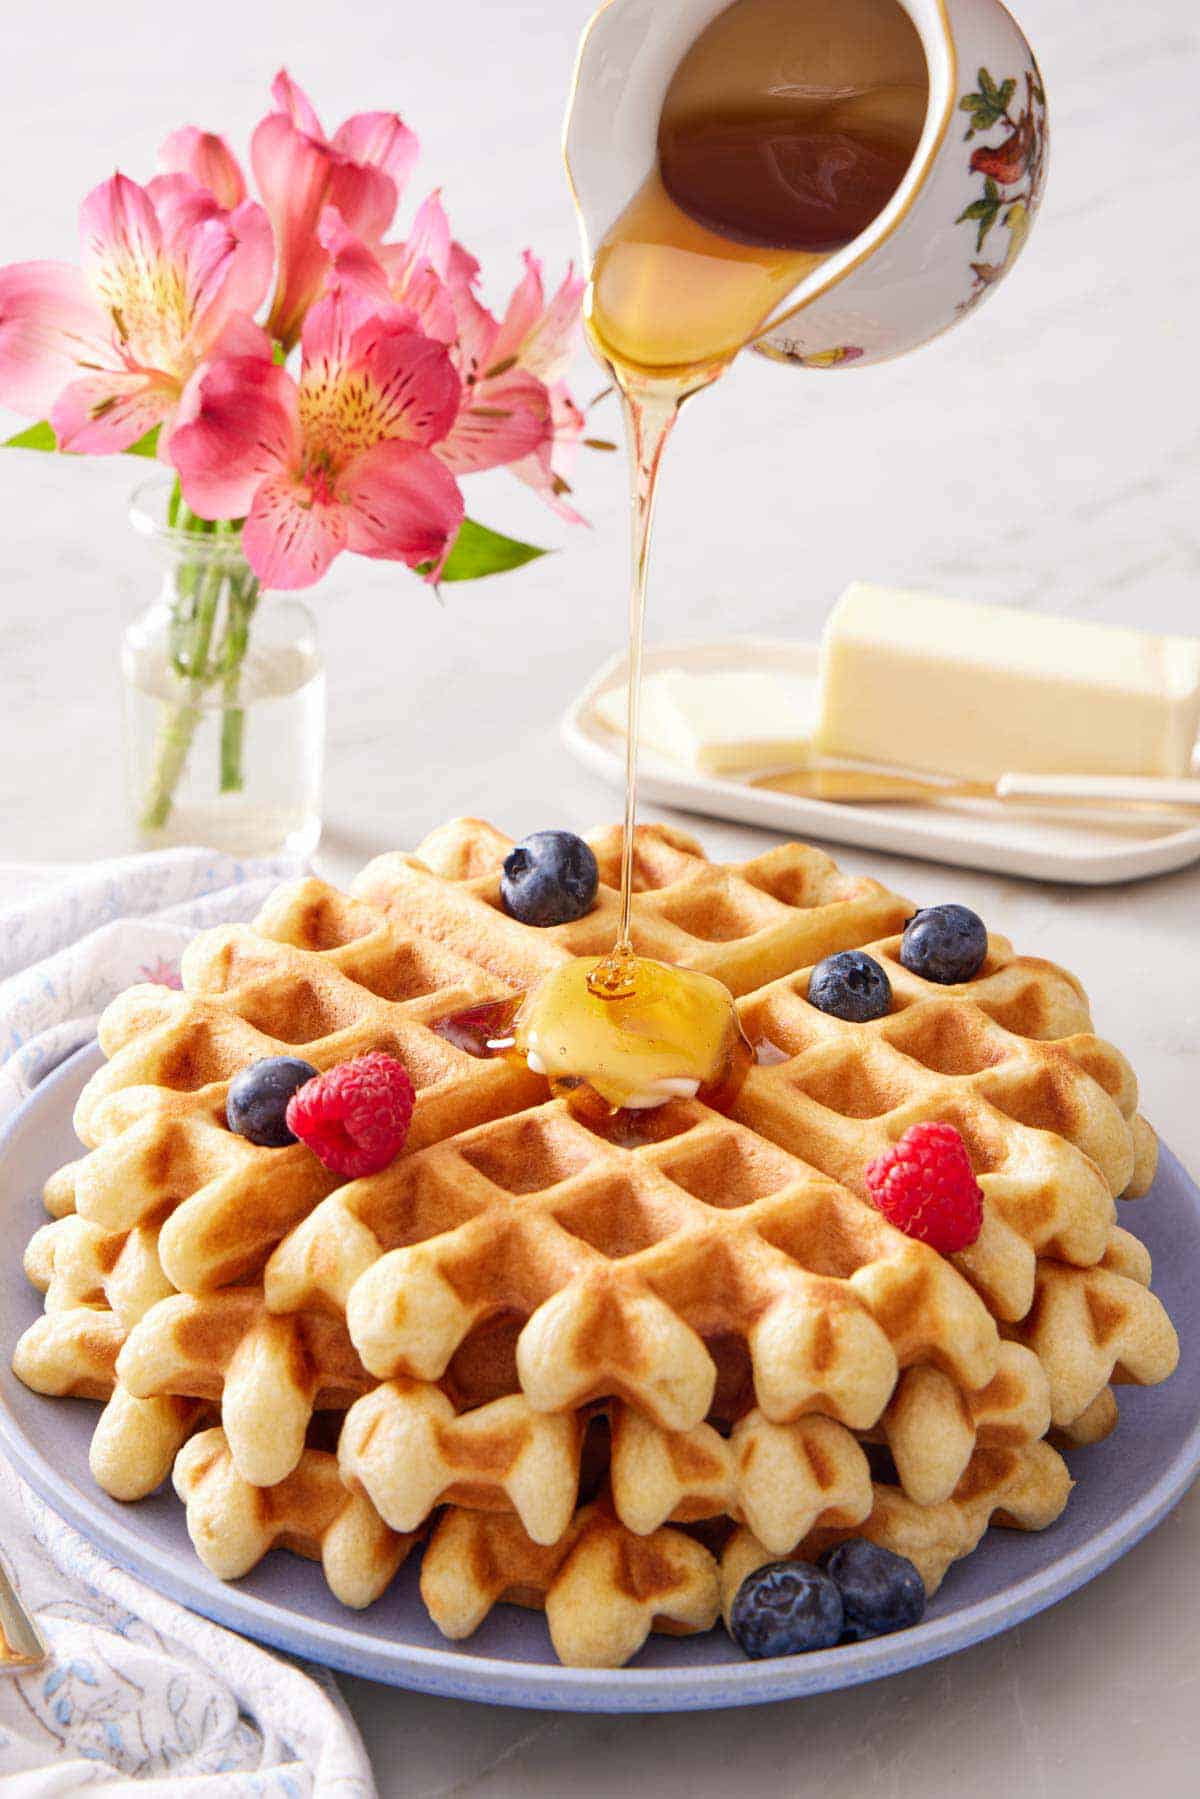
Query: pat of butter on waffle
(729, 721)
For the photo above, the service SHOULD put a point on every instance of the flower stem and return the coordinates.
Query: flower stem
(242, 600)
(180, 721)
(213, 600)
(174, 742)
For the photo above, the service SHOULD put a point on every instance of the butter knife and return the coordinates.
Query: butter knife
(21, 1644)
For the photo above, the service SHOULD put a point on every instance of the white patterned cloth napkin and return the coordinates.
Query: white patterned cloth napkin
(138, 1693)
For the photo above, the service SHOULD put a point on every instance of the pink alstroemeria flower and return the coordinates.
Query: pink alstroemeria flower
(207, 158)
(532, 339)
(343, 459)
(502, 420)
(361, 170)
(107, 349)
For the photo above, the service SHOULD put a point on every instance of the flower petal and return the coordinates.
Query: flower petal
(48, 324)
(418, 271)
(291, 100)
(550, 344)
(477, 334)
(228, 263)
(139, 278)
(545, 470)
(104, 413)
(383, 380)
(299, 179)
(366, 197)
(464, 270)
(500, 421)
(181, 205)
(429, 299)
(351, 262)
(291, 172)
(207, 158)
(333, 323)
(429, 240)
(418, 288)
(380, 140)
(522, 313)
(415, 379)
(242, 337)
(401, 504)
(238, 423)
(538, 472)
(291, 536)
(122, 243)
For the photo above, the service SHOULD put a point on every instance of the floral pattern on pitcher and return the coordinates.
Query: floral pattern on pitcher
(1014, 172)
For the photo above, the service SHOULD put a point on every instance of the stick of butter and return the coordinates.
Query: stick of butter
(979, 691)
(724, 722)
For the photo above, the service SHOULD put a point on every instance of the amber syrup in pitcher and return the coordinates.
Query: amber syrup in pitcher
(786, 129)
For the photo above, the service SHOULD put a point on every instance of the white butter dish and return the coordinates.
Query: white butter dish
(1076, 848)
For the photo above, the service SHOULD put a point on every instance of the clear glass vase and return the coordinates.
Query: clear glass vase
(224, 697)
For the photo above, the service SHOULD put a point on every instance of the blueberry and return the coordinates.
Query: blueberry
(786, 1608)
(881, 1591)
(946, 944)
(852, 986)
(551, 878)
(258, 1099)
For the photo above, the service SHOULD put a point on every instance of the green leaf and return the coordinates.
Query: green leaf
(988, 88)
(1007, 91)
(479, 551)
(34, 437)
(984, 113)
(983, 212)
(145, 446)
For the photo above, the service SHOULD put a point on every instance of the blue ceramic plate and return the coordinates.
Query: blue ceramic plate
(1122, 1493)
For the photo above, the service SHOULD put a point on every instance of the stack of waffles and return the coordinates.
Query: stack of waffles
(601, 1369)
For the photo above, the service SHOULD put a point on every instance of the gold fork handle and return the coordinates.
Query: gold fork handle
(862, 786)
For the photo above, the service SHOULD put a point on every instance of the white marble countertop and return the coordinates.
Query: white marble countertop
(1045, 455)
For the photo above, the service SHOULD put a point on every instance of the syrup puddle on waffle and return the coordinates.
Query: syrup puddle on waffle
(672, 1034)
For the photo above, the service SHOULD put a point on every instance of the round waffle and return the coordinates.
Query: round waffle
(604, 1369)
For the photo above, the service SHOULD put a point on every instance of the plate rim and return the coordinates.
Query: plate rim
(924, 836)
(549, 1686)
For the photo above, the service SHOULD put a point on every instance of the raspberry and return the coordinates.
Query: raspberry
(355, 1117)
(925, 1186)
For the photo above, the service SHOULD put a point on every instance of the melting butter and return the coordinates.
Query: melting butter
(672, 1035)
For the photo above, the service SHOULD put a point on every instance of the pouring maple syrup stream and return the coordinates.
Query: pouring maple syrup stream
(786, 128)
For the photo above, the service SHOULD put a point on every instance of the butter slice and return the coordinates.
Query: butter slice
(978, 691)
(724, 722)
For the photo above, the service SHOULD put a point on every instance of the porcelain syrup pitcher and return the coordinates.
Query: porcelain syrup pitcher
(948, 235)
